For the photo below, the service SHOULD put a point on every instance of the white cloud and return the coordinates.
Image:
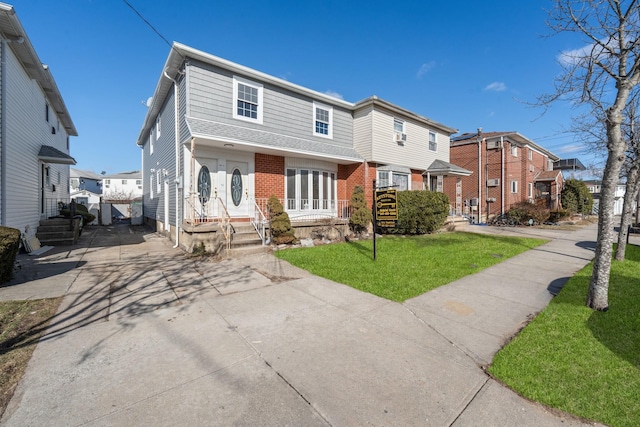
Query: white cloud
(334, 94)
(425, 68)
(571, 148)
(496, 87)
(574, 56)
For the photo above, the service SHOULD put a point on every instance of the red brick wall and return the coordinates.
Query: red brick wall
(356, 174)
(269, 176)
(417, 182)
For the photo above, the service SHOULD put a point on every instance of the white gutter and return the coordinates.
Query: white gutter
(177, 155)
(3, 134)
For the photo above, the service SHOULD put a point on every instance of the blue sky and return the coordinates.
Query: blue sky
(466, 64)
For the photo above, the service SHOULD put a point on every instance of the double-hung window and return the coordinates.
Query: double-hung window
(433, 145)
(398, 126)
(322, 120)
(514, 150)
(398, 180)
(247, 98)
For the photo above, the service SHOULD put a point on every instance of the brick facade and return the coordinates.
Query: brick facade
(504, 170)
(269, 176)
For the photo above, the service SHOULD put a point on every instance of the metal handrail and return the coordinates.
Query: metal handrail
(225, 223)
(258, 221)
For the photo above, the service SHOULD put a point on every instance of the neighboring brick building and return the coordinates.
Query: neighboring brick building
(507, 168)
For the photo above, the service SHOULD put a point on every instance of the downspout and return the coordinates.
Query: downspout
(3, 134)
(177, 155)
(502, 185)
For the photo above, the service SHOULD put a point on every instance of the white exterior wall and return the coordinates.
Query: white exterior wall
(414, 153)
(26, 131)
(118, 189)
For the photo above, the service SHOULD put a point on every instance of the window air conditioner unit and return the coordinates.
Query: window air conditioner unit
(492, 145)
(493, 182)
(401, 137)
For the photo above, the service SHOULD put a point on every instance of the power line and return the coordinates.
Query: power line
(148, 23)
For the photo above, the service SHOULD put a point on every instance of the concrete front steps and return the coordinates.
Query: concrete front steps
(58, 232)
(245, 240)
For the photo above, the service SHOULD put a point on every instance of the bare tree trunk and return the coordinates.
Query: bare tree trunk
(627, 210)
(598, 296)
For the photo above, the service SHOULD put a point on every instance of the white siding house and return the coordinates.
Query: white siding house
(124, 186)
(34, 132)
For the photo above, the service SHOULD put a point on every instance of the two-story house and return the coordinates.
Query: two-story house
(123, 186)
(595, 186)
(508, 168)
(219, 139)
(35, 126)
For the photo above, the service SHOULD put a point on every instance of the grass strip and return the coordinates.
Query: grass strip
(22, 323)
(578, 360)
(407, 266)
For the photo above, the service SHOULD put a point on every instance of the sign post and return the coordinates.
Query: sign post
(385, 210)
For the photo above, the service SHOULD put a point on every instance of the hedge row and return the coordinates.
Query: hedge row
(420, 212)
(9, 245)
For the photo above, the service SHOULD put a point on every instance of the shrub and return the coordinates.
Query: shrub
(522, 212)
(559, 215)
(80, 210)
(9, 245)
(420, 212)
(575, 197)
(279, 222)
(361, 215)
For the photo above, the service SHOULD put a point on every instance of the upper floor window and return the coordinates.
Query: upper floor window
(398, 125)
(151, 141)
(322, 121)
(530, 154)
(124, 182)
(247, 98)
(138, 182)
(46, 111)
(514, 186)
(107, 183)
(514, 150)
(158, 127)
(433, 146)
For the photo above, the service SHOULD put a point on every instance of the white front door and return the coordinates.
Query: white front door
(237, 192)
(206, 187)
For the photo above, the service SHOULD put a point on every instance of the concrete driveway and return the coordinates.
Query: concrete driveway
(148, 336)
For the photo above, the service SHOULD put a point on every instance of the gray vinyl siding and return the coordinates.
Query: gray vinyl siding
(284, 112)
(163, 158)
(26, 131)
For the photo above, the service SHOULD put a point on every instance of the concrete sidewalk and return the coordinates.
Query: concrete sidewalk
(146, 335)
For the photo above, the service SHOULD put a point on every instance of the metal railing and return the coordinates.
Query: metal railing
(52, 207)
(225, 223)
(258, 221)
(311, 208)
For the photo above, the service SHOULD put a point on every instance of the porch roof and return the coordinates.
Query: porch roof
(440, 167)
(50, 154)
(221, 135)
(547, 176)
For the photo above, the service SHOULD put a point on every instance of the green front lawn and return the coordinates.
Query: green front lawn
(407, 266)
(578, 360)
